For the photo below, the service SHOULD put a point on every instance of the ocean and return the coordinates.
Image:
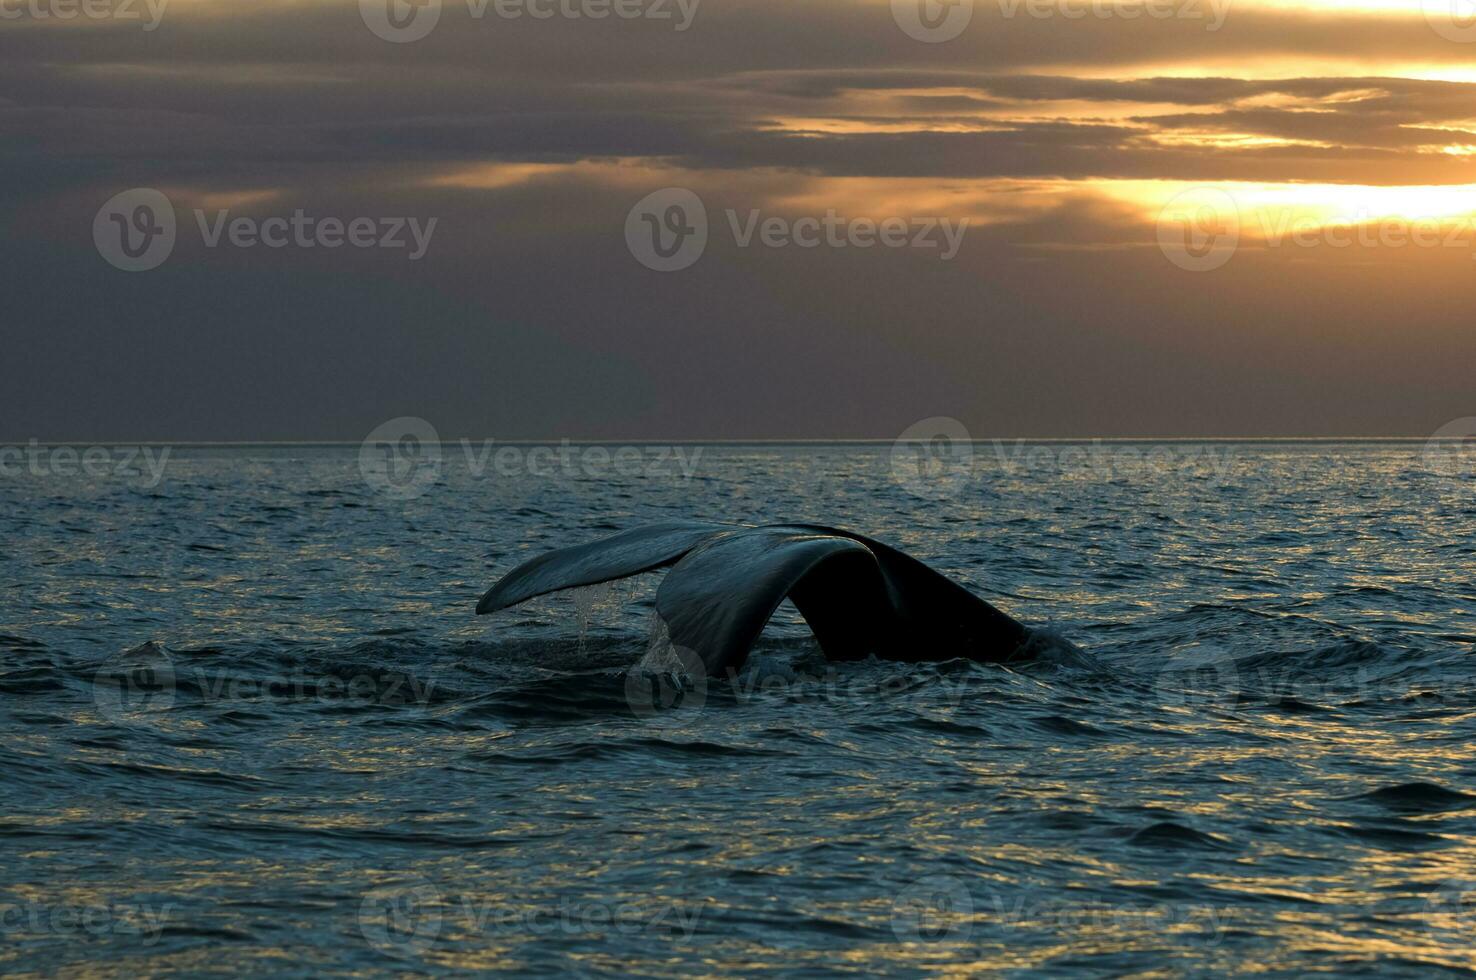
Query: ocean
(255, 726)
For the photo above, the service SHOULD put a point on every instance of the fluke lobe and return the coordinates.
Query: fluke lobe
(859, 596)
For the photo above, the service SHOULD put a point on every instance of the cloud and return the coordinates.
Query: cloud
(531, 139)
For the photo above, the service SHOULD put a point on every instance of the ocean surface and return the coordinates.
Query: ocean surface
(253, 725)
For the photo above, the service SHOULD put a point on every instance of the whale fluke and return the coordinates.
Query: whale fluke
(622, 555)
(860, 597)
(716, 600)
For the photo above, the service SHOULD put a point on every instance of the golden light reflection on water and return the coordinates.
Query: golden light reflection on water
(1004, 929)
(1096, 824)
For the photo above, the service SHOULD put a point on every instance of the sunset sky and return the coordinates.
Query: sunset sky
(1320, 157)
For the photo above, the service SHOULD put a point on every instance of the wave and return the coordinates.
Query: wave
(1292, 662)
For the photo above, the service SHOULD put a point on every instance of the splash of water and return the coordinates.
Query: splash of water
(587, 600)
(661, 657)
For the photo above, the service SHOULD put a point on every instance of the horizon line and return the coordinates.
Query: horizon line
(808, 441)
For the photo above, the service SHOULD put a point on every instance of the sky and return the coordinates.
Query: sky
(711, 219)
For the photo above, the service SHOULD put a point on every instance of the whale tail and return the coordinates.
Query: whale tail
(859, 596)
